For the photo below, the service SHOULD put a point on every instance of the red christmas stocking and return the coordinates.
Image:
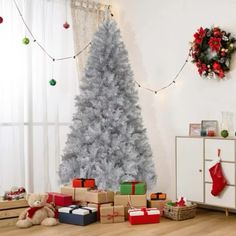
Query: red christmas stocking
(219, 181)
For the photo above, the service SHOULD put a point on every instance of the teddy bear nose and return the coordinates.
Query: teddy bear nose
(37, 202)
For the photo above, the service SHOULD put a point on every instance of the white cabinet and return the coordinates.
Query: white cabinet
(193, 159)
(190, 168)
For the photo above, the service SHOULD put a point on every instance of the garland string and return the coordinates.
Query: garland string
(174, 79)
(41, 46)
(86, 46)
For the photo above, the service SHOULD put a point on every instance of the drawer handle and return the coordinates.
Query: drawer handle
(200, 170)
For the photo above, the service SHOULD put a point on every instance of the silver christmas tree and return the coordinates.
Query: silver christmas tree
(107, 140)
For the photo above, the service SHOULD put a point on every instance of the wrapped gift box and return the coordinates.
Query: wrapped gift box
(112, 214)
(77, 215)
(133, 188)
(159, 204)
(158, 196)
(78, 194)
(144, 216)
(129, 201)
(99, 196)
(59, 199)
(98, 206)
(80, 182)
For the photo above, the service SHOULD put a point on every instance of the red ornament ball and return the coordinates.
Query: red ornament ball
(1, 20)
(66, 25)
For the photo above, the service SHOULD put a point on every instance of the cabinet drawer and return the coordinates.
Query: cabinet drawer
(227, 148)
(226, 198)
(228, 170)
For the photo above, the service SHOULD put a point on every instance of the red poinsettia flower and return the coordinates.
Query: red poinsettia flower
(221, 74)
(216, 66)
(201, 68)
(199, 35)
(214, 44)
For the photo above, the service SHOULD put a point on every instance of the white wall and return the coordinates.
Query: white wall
(157, 35)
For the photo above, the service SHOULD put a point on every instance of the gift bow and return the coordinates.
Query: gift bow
(112, 216)
(144, 209)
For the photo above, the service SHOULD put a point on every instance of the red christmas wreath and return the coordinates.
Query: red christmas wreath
(211, 51)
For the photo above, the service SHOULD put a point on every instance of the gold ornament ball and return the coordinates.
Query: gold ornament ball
(231, 45)
(208, 66)
(222, 50)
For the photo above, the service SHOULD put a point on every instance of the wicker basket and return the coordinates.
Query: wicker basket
(180, 213)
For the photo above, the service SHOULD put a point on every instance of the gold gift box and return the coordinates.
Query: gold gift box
(129, 201)
(98, 196)
(78, 194)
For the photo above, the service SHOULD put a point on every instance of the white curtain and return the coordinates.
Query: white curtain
(86, 17)
(34, 116)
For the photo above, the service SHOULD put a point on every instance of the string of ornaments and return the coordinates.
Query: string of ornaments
(26, 41)
(66, 25)
(211, 51)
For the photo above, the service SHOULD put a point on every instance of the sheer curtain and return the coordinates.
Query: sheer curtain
(34, 116)
(86, 17)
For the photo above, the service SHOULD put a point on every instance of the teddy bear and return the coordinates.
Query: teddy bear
(39, 212)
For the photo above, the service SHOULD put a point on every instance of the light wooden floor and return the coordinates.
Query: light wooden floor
(205, 223)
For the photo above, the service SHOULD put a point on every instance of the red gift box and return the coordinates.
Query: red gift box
(59, 199)
(144, 216)
(88, 183)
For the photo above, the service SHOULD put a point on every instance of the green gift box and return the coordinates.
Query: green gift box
(133, 188)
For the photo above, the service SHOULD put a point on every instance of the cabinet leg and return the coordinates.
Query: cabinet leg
(226, 212)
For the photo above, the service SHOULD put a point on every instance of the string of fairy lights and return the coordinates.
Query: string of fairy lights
(155, 91)
(66, 26)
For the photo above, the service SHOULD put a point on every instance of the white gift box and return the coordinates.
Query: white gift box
(139, 212)
(78, 211)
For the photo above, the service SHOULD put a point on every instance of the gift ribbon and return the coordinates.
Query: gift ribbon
(144, 209)
(113, 215)
(133, 186)
(82, 182)
(129, 204)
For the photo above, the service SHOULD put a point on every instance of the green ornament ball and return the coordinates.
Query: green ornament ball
(224, 133)
(52, 82)
(25, 40)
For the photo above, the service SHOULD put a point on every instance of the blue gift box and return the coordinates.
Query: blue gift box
(77, 215)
